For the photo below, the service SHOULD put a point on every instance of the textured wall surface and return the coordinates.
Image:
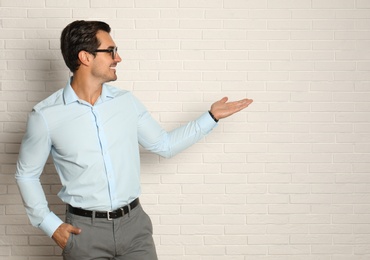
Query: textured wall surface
(286, 179)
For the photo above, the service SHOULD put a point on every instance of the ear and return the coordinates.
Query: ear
(84, 57)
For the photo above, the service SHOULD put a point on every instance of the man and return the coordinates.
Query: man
(92, 131)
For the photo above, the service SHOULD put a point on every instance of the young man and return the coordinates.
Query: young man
(92, 131)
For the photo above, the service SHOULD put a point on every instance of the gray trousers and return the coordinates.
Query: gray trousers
(129, 237)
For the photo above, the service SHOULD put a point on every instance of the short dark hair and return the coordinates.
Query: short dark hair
(80, 36)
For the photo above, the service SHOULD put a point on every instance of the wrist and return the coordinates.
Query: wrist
(213, 117)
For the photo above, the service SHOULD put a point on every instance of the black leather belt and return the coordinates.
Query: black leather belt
(105, 214)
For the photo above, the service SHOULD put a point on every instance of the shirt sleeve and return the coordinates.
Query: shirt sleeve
(167, 144)
(34, 152)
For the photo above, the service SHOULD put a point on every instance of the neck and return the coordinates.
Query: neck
(86, 89)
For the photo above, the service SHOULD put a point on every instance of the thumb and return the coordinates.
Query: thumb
(224, 99)
(75, 230)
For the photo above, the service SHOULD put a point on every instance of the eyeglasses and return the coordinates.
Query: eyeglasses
(113, 51)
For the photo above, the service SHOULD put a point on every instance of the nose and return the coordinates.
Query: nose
(117, 58)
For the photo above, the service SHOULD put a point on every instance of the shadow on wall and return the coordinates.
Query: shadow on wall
(52, 74)
(43, 72)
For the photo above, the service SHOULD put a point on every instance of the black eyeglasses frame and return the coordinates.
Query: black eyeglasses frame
(113, 51)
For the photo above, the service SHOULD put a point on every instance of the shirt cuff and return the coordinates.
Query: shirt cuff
(206, 123)
(50, 224)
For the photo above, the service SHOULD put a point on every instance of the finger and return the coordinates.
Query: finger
(247, 102)
(244, 102)
(241, 104)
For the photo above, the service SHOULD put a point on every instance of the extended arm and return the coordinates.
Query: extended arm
(154, 138)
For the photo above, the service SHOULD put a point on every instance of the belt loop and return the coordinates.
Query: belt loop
(129, 209)
(93, 218)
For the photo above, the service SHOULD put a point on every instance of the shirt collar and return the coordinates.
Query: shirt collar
(70, 96)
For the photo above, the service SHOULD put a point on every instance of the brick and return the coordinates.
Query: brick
(248, 66)
(282, 4)
(224, 34)
(204, 210)
(333, 25)
(46, 257)
(334, 45)
(225, 179)
(247, 24)
(289, 25)
(311, 239)
(98, 12)
(13, 12)
(314, 14)
(313, 56)
(266, 199)
(22, 4)
(156, 4)
(287, 229)
(270, 14)
(115, 3)
(268, 76)
(352, 35)
(26, 44)
(271, 240)
(269, 177)
(247, 210)
(224, 76)
(180, 34)
(5, 250)
(69, 3)
(290, 250)
(362, 4)
(31, 65)
(32, 251)
(312, 35)
(183, 240)
(189, 76)
(247, 250)
(157, 23)
(183, 13)
(352, 14)
(341, 250)
(201, 4)
(246, 45)
(204, 65)
(202, 45)
(268, 35)
(290, 45)
(163, 44)
(333, 4)
(160, 65)
(49, 13)
(24, 23)
(200, 24)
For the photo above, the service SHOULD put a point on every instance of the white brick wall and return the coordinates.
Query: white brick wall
(288, 179)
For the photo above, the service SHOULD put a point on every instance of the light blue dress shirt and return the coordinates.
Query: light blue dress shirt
(95, 149)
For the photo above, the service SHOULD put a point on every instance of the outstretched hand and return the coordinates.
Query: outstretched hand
(221, 109)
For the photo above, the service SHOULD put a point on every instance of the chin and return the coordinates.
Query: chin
(114, 78)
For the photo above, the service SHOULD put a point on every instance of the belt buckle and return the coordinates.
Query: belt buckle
(108, 216)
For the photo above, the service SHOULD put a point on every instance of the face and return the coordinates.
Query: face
(104, 66)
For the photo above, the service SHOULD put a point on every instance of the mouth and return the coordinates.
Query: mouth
(113, 67)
